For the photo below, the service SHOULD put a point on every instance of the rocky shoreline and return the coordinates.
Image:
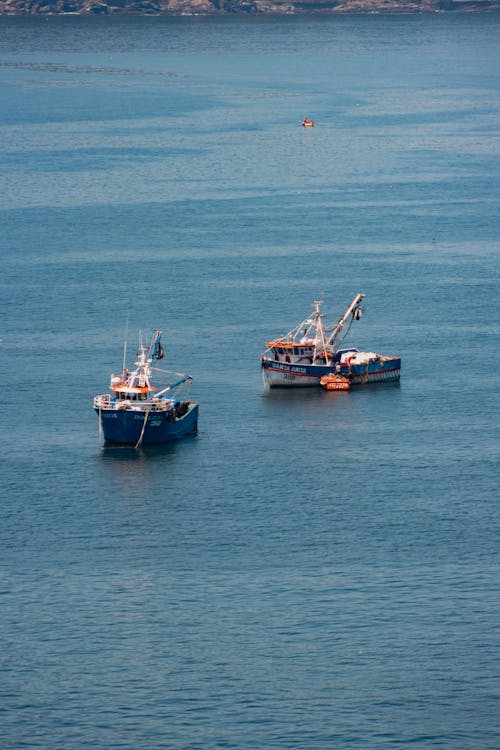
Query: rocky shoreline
(256, 7)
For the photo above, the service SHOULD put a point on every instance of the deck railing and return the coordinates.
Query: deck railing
(105, 401)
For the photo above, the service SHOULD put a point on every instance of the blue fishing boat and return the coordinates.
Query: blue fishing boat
(138, 413)
(311, 354)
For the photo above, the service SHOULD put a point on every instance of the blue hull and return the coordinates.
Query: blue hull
(374, 372)
(126, 426)
(281, 374)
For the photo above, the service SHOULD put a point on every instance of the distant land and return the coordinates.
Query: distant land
(254, 7)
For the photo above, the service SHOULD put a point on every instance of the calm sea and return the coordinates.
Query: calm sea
(314, 570)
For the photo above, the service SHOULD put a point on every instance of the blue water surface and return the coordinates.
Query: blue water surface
(314, 570)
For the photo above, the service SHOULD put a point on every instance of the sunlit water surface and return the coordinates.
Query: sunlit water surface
(314, 570)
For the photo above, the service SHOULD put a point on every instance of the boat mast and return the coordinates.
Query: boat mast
(351, 310)
(319, 341)
(125, 349)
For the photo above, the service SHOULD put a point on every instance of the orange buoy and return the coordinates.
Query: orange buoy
(333, 382)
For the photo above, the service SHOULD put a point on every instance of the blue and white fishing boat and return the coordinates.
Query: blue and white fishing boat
(312, 351)
(136, 412)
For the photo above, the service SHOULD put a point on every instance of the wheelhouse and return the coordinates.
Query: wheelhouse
(285, 351)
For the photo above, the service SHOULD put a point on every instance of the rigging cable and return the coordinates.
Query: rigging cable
(139, 442)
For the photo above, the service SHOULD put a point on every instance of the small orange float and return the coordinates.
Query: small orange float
(333, 382)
